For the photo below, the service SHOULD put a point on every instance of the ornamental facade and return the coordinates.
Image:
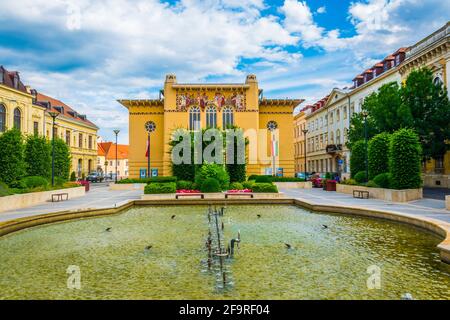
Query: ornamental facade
(220, 105)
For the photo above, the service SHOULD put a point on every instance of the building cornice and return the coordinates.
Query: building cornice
(16, 91)
(280, 102)
(142, 103)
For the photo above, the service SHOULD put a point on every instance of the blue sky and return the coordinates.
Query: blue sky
(89, 53)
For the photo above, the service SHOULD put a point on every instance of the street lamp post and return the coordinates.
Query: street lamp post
(365, 114)
(150, 127)
(53, 114)
(305, 131)
(116, 132)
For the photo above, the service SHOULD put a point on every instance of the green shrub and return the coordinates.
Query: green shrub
(236, 186)
(405, 154)
(358, 158)
(210, 170)
(360, 177)
(4, 190)
(182, 184)
(378, 154)
(286, 179)
(35, 181)
(38, 159)
(156, 187)
(264, 187)
(59, 182)
(263, 179)
(372, 184)
(252, 177)
(62, 159)
(148, 180)
(18, 184)
(12, 165)
(248, 184)
(383, 180)
(73, 177)
(350, 182)
(210, 185)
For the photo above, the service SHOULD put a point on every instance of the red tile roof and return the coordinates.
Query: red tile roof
(67, 111)
(108, 150)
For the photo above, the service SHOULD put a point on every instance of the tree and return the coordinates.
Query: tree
(356, 130)
(404, 159)
(378, 154)
(62, 159)
(430, 110)
(38, 158)
(12, 165)
(237, 168)
(358, 158)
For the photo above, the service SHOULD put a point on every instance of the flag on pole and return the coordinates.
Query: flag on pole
(274, 146)
(147, 152)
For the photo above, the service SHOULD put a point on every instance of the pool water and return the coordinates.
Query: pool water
(333, 262)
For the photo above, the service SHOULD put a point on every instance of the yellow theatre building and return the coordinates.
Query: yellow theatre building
(212, 105)
(27, 110)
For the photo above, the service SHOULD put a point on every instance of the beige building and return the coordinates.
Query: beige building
(434, 53)
(106, 159)
(27, 110)
(299, 142)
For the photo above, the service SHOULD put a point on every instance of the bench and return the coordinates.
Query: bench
(60, 196)
(360, 194)
(202, 196)
(238, 194)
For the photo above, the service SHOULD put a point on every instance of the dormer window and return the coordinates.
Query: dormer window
(397, 60)
(2, 75)
(16, 81)
(374, 73)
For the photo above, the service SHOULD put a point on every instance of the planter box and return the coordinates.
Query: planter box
(20, 201)
(384, 194)
(127, 186)
(293, 185)
(447, 202)
(211, 196)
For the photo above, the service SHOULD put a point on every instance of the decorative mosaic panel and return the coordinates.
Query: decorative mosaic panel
(235, 99)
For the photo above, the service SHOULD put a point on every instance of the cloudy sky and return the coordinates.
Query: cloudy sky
(89, 53)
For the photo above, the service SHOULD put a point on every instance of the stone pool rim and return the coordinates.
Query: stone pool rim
(437, 227)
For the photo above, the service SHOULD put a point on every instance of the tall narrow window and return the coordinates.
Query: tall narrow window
(194, 118)
(90, 142)
(2, 118)
(211, 117)
(80, 140)
(68, 137)
(36, 128)
(228, 118)
(338, 136)
(17, 118)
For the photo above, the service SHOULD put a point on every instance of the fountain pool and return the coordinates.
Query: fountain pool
(149, 254)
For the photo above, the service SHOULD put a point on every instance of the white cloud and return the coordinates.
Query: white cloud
(321, 10)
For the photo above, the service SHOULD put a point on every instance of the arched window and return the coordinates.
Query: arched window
(194, 118)
(331, 137)
(438, 81)
(227, 117)
(211, 117)
(338, 136)
(2, 118)
(17, 118)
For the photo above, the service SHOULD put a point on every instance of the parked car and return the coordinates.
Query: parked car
(95, 177)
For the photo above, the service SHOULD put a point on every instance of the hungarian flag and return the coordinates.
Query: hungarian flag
(148, 150)
(274, 145)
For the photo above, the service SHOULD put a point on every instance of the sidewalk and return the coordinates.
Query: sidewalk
(430, 208)
(99, 197)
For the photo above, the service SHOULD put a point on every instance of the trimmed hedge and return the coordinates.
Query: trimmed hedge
(276, 179)
(184, 185)
(405, 154)
(236, 186)
(211, 170)
(383, 180)
(210, 185)
(264, 188)
(156, 187)
(360, 177)
(12, 164)
(372, 184)
(248, 184)
(358, 158)
(35, 181)
(378, 154)
(38, 157)
(263, 179)
(148, 180)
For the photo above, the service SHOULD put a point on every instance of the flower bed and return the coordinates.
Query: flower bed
(239, 191)
(188, 191)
